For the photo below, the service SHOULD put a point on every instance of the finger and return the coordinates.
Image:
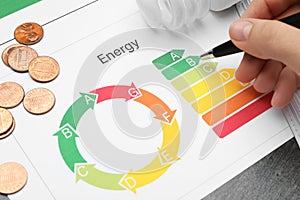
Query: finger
(267, 9)
(249, 68)
(290, 11)
(268, 39)
(268, 76)
(285, 88)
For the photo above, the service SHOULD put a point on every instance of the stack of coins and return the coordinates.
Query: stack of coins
(8, 123)
(11, 95)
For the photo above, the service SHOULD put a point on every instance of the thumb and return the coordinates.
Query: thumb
(268, 39)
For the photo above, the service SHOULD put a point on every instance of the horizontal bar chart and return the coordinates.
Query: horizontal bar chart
(224, 103)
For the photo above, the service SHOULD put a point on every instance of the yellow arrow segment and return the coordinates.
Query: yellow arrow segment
(167, 154)
(132, 180)
(208, 84)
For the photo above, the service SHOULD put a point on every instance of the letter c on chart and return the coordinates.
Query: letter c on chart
(82, 171)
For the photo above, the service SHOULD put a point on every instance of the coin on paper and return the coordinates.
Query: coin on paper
(29, 33)
(10, 130)
(7, 51)
(43, 69)
(11, 94)
(39, 101)
(6, 120)
(13, 177)
(20, 57)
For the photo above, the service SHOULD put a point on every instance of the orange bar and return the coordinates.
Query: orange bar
(231, 106)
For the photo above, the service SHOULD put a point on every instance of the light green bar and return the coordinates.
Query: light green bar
(8, 7)
(194, 75)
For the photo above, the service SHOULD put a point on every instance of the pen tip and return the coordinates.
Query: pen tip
(207, 55)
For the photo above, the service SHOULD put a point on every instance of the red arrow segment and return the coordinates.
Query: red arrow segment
(161, 110)
(116, 92)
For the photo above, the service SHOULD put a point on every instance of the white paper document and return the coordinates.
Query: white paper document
(137, 114)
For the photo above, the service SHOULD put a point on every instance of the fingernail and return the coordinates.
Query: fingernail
(275, 101)
(240, 30)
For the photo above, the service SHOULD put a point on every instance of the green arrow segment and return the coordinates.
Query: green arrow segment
(67, 146)
(89, 174)
(181, 67)
(79, 107)
(168, 58)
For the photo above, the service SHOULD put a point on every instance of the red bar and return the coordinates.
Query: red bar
(243, 116)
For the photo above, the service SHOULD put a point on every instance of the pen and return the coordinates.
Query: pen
(229, 48)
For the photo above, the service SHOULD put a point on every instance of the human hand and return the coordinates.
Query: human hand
(272, 57)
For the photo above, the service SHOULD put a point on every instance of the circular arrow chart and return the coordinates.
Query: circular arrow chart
(122, 70)
(166, 154)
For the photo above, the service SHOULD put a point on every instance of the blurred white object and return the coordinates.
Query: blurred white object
(175, 13)
(218, 5)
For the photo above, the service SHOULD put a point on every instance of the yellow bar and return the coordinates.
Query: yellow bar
(219, 95)
(208, 84)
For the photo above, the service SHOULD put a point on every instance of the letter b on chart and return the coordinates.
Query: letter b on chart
(67, 132)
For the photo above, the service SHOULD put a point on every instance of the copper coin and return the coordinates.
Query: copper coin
(43, 69)
(29, 33)
(7, 51)
(11, 94)
(10, 130)
(13, 177)
(20, 57)
(39, 101)
(6, 120)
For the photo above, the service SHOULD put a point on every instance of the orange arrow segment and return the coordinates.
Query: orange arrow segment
(160, 109)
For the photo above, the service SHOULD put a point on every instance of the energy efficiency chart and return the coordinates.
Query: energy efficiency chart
(74, 130)
(224, 102)
(207, 96)
(167, 153)
(121, 129)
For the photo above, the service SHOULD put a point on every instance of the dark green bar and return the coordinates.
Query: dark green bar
(8, 7)
(168, 58)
